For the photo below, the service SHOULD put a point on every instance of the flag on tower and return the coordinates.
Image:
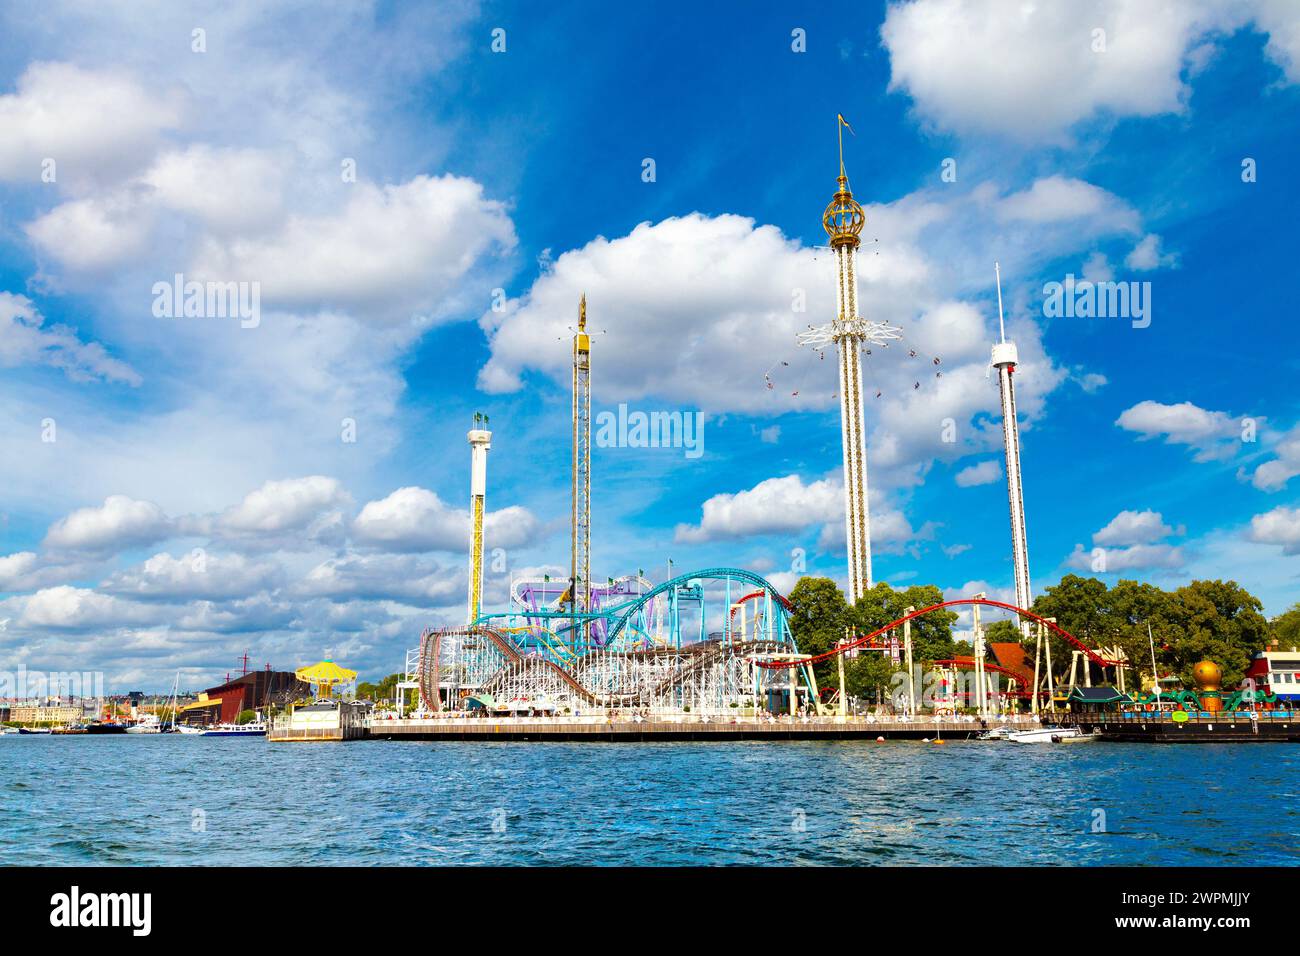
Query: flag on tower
(845, 123)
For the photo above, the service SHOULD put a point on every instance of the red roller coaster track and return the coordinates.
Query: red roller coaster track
(986, 602)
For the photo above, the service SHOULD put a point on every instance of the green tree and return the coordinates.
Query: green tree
(1220, 621)
(931, 633)
(870, 676)
(817, 619)
(1286, 627)
(384, 690)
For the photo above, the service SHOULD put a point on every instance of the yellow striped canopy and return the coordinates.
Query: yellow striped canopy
(325, 674)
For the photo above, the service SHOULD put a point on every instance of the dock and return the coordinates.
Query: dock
(623, 729)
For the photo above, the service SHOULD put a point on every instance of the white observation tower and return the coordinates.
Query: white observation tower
(1004, 360)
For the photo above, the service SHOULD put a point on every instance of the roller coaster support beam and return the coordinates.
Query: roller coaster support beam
(1051, 681)
(981, 694)
(1038, 653)
(843, 702)
(907, 649)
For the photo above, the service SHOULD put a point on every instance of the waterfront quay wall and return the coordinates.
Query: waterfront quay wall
(1194, 728)
(674, 728)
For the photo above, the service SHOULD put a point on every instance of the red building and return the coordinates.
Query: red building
(252, 691)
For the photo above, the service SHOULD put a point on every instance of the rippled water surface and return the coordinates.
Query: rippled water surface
(178, 800)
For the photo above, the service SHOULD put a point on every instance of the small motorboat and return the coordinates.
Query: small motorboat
(148, 724)
(1044, 735)
(997, 733)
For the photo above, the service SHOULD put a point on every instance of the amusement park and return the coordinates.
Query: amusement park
(717, 645)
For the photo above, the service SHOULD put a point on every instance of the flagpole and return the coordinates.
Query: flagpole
(839, 131)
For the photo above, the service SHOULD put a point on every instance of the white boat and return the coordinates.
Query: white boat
(997, 733)
(148, 724)
(254, 728)
(190, 730)
(151, 723)
(1045, 735)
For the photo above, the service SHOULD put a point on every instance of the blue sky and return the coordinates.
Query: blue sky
(197, 499)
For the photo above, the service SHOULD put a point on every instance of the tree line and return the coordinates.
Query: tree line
(1216, 620)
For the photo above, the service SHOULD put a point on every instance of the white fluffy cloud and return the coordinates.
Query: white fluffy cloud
(391, 251)
(1133, 558)
(280, 506)
(1033, 70)
(385, 577)
(416, 519)
(1148, 254)
(120, 522)
(229, 190)
(96, 234)
(789, 505)
(71, 607)
(1281, 526)
(1134, 527)
(196, 576)
(1132, 540)
(772, 506)
(1212, 435)
(1274, 474)
(983, 473)
(1055, 199)
(26, 340)
(92, 123)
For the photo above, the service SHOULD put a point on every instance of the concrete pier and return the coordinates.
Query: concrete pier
(675, 728)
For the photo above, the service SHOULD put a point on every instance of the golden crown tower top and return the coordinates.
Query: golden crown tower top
(843, 219)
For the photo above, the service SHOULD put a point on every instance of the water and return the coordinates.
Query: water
(214, 801)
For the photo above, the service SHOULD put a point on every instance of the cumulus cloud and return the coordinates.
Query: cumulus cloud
(385, 577)
(1033, 70)
(1136, 557)
(26, 340)
(772, 506)
(1281, 526)
(196, 576)
(1148, 255)
(1135, 527)
(120, 522)
(1131, 540)
(96, 234)
(67, 607)
(983, 473)
(279, 506)
(92, 123)
(789, 505)
(391, 251)
(229, 190)
(1212, 435)
(1274, 474)
(1054, 199)
(416, 519)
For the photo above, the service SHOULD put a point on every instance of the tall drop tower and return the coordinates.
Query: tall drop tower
(843, 221)
(1004, 360)
(580, 572)
(480, 440)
